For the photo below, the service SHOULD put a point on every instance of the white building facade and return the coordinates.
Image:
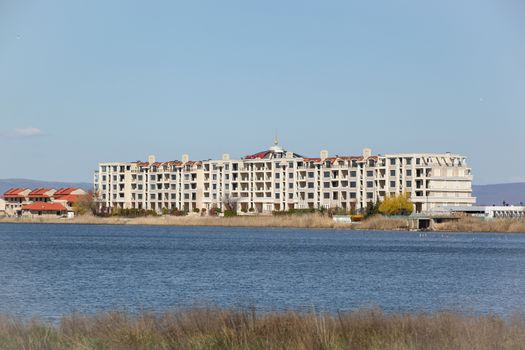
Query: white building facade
(277, 180)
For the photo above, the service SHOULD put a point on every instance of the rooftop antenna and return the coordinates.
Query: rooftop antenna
(276, 139)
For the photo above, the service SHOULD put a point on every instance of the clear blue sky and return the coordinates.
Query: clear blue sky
(89, 81)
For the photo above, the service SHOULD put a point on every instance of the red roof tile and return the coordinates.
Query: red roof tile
(14, 193)
(39, 193)
(72, 198)
(42, 206)
(65, 191)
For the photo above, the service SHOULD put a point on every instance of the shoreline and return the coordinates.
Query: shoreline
(307, 221)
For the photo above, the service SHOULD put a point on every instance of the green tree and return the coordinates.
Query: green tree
(397, 205)
(372, 208)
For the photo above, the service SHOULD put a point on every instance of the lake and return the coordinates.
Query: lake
(49, 270)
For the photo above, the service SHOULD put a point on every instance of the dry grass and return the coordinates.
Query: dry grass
(378, 222)
(245, 329)
(470, 224)
(302, 221)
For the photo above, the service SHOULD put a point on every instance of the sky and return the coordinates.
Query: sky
(83, 82)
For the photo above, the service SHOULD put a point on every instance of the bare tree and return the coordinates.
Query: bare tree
(230, 202)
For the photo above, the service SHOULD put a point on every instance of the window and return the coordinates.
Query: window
(392, 161)
(409, 161)
(310, 196)
(409, 183)
(310, 185)
(352, 194)
(290, 195)
(311, 174)
(409, 172)
(152, 187)
(392, 173)
(152, 196)
(174, 176)
(370, 184)
(173, 196)
(418, 161)
(326, 184)
(392, 184)
(369, 195)
(370, 173)
(326, 174)
(353, 184)
(353, 174)
(290, 185)
(277, 175)
(103, 177)
(326, 195)
(277, 185)
(290, 175)
(277, 195)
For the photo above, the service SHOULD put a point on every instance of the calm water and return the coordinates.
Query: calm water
(50, 270)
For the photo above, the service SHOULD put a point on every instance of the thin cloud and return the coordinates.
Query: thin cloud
(27, 132)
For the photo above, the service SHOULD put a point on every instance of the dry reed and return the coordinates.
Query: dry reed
(209, 328)
(472, 224)
(315, 220)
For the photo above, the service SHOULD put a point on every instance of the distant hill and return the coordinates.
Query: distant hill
(511, 193)
(26, 183)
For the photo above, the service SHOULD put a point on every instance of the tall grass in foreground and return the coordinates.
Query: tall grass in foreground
(244, 329)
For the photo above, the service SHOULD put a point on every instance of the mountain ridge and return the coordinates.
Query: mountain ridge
(6, 184)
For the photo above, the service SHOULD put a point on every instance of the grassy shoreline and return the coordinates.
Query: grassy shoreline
(215, 328)
(291, 221)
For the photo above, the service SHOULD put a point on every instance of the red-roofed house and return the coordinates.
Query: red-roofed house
(68, 196)
(14, 198)
(44, 209)
(41, 194)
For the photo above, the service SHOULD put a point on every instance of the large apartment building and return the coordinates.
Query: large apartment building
(276, 179)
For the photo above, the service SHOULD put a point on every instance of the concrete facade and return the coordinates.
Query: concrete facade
(277, 179)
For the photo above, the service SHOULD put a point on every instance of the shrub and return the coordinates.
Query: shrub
(196, 210)
(177, 212)
(133, 212)
(294, 212)
(372, 208)
(229, 213)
